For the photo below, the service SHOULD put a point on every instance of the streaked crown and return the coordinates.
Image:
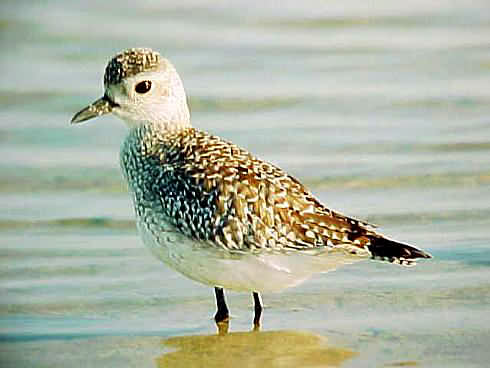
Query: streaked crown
(129, 63)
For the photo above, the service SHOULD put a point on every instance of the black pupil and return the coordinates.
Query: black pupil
(143, 87)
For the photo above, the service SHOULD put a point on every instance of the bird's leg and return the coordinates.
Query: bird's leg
(222, 316)
(258, 310)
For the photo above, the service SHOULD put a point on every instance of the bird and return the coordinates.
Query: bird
(213, 211)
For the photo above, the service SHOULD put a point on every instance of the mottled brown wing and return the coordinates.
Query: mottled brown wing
(259, 206)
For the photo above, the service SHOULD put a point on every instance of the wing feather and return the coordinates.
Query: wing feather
(259, 206)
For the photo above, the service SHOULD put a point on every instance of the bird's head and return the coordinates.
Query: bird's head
(140, 87)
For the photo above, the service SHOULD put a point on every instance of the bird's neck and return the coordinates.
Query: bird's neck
(169, 120)
(154, 132)
(153, 140)
(167, 126)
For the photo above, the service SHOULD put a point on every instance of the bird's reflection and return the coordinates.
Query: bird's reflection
(253, 349)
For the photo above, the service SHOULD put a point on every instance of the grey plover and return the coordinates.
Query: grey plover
(213, 211)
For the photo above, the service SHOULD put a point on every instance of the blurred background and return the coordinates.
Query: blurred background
(382, 108)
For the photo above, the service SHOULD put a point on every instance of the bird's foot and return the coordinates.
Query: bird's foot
(222, 323)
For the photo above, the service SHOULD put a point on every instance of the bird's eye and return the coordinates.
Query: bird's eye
(143, 87)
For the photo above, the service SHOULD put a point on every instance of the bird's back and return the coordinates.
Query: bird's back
(219, 194)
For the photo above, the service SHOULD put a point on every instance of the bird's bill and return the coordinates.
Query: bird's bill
(100, 107)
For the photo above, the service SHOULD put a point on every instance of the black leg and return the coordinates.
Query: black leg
(222, 315)
(258, 310)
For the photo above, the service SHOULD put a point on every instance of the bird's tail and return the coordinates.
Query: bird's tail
(389, 250)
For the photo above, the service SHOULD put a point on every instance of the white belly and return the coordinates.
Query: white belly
(239, 271)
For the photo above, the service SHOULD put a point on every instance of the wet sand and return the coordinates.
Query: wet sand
(238, 349)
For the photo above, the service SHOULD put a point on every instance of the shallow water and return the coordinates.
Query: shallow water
(383, 109)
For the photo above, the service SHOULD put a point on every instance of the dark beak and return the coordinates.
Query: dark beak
(102, 106)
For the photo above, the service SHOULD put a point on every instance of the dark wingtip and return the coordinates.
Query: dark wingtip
(415, 252)
(385, 248)
(425, 255)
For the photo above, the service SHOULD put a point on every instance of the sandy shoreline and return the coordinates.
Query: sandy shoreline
(236, 349)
